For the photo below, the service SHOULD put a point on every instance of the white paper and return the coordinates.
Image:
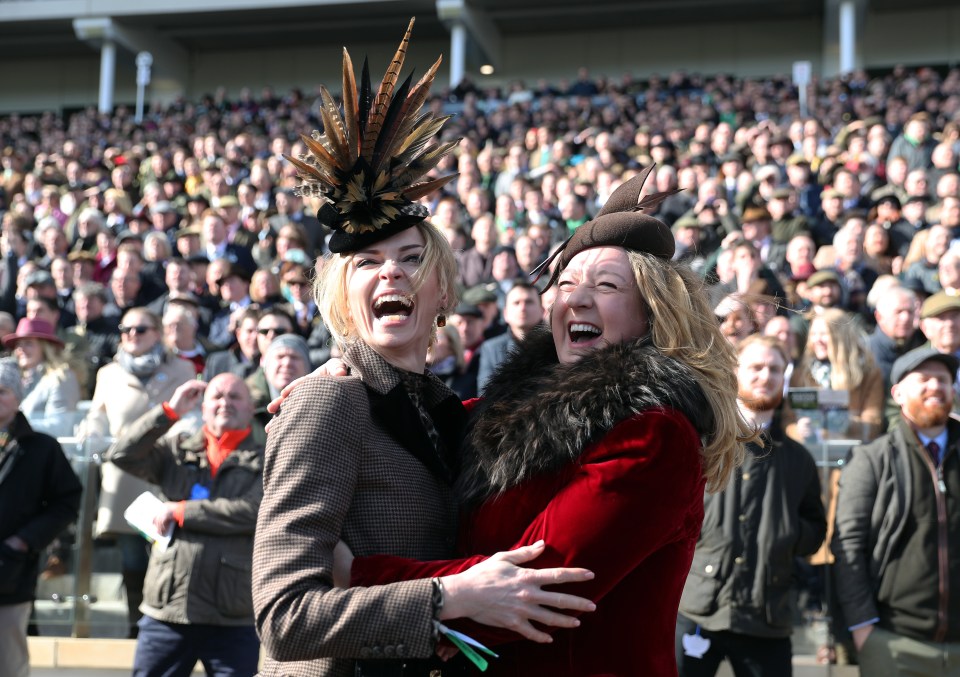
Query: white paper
(140, 514)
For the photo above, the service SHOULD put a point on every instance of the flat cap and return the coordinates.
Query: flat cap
(478, 294)
(755, 214)
(916, 357)
(467, 310)
(939, 303)
(824, 277)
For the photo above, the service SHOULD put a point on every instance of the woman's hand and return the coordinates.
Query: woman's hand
(342, 563)
(501, 593)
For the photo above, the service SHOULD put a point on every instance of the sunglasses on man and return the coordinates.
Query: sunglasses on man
(136, 329)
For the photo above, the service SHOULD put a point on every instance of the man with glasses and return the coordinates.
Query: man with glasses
(273, 323)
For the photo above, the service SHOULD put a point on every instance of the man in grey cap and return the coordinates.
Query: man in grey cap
(285, 360)
(895, 539)
(39, 497)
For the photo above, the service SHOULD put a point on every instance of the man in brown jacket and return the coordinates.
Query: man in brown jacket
(197, 600)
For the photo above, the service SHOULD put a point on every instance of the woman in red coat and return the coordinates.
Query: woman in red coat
(598, 437)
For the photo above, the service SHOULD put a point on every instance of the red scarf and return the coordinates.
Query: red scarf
(219, 448)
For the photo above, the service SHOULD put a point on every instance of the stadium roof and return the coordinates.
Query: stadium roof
(36, 28)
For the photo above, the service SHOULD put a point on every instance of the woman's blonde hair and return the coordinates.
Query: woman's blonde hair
(917, 249)
(849, 358)
(57, 362)
(683, 326)
(330, 285)
(456, 346)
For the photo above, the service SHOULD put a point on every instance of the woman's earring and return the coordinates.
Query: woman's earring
(441, 320)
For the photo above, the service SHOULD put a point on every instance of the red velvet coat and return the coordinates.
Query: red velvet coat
(602, 461)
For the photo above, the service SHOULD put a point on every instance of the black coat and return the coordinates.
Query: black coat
(38, 499)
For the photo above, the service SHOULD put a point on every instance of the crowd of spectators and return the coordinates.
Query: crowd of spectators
(836, 230)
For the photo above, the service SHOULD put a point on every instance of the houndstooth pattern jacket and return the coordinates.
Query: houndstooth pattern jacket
(348, 458)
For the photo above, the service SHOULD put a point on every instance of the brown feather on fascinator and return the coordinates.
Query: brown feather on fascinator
(369, 162)
(621, 222)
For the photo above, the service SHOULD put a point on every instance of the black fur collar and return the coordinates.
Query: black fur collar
(537, 415)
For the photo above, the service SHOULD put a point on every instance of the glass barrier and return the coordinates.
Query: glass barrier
(79, 590)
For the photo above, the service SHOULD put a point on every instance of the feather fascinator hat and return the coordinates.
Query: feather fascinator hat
(620, 223)
(370, 162)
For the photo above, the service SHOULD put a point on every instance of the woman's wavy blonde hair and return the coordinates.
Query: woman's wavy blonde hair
(683, 326)
(849, 358)
(330, 284)
(57, 361)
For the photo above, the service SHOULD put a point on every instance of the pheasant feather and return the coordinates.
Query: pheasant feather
(351, 111)
(382, 100)
(367, 161)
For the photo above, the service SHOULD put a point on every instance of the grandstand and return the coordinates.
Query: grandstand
(63, 54)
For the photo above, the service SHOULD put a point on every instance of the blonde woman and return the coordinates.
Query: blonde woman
(50, 387)
(836, 357)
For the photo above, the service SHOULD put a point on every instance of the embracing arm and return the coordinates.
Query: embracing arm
(640, 479)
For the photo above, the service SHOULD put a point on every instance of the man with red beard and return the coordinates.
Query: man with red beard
(897, 538)
(737, 602)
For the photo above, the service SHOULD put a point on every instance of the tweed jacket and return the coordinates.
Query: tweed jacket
(119, 399)
(204, 576)
(347, 458)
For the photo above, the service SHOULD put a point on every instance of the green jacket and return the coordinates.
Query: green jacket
(203, 577)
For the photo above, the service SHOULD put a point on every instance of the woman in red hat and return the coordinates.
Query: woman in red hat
(50, 387)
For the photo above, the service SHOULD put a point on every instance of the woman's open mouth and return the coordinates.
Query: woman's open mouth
(393, 307)
(582, 332)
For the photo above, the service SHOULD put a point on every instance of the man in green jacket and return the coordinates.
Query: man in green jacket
(897, 537)
(197, 601)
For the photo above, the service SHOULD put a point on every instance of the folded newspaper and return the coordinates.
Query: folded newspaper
(140, 514)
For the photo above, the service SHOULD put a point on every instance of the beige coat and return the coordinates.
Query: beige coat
(120, 398)
(346, 460)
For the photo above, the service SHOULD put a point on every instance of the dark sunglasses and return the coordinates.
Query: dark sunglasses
(135, 329)
(269, 330)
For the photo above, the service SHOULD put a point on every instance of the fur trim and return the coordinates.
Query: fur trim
(538, 416)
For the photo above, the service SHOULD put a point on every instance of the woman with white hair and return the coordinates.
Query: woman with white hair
(89, 222)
